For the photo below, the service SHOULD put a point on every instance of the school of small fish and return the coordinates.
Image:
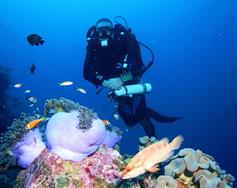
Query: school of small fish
(32, 100)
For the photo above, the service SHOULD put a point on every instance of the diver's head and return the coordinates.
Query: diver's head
(104, 29)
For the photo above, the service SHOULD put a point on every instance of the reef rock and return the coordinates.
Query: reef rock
(102, 169)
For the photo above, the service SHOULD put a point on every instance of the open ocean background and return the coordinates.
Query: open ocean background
(194, 74)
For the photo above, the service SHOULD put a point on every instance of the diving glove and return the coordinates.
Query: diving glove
(113, 83)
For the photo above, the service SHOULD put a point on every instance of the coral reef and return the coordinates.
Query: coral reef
(197, 169)
(75, 149)
(102, 169)
(187, 169)
(8, 177)
(73, 134)
(5, 116)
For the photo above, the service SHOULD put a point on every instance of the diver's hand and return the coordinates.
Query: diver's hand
(113, 83)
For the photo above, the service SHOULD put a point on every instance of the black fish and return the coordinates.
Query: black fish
(32, 69)
(35, 40)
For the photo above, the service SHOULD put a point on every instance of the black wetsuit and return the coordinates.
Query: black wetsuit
(102, 63)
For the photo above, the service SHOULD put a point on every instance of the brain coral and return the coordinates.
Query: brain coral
(68, 140)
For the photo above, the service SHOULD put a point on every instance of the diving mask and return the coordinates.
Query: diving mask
(104, 33)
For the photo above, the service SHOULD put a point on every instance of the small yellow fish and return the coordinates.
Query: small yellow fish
(81, 90)
(65, 83)
(149, 157)
(18, 85)
(106, 122)
(32, 124)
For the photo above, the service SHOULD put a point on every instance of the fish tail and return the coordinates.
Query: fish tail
(176, 143)
(43, 118)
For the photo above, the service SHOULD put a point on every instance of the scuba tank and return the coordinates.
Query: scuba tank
(129, 90)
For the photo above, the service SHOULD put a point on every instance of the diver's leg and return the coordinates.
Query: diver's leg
(125, 111)
(148, 127)
(161, 118)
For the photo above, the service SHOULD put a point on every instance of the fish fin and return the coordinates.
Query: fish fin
(169, 156)
(176, 143)
(42, 42)
(45, 118)
(164, 140)
(153, 169)
(42, 118)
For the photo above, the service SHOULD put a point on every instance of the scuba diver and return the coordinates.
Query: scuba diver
(113, 60)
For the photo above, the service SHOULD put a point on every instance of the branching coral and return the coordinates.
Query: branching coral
(10, 138)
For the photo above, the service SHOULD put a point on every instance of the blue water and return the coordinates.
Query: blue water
(194, 75)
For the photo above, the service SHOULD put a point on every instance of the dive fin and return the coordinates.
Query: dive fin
(161, 118)
(42, 42)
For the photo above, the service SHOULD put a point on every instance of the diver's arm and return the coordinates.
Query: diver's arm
(89, 72)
